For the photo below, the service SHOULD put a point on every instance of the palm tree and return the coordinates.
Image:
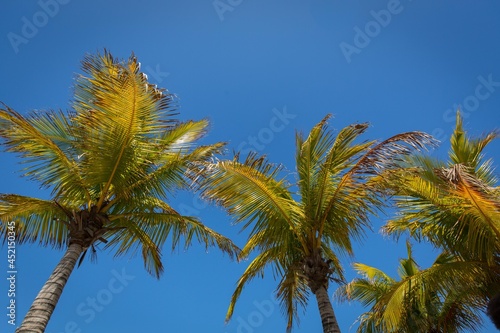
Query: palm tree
(455, 205)
(301, 234)
(418, 302)
(110, 164)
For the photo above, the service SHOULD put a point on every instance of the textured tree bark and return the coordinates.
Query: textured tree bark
(328, 319)
(43, 306)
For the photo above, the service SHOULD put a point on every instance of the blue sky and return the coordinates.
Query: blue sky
(259, 71)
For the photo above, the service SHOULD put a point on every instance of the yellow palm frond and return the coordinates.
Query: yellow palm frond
(440, 298)
(46, 144)
(154, 223)
(35, 220)
(455, 204)
(254, 269)
(250, 193)
(118, 117)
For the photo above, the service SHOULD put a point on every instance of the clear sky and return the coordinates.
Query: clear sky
(258, 70)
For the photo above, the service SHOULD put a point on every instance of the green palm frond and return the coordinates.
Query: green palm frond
(368, 289)
(128, 237)
(309, 152)
(371, 273)
(166, 174)
(420, 292)
(35, 220)
(119, 116)
(321, 158)
(255, 269)
(468, 151)
(154, 223)
(454, 205)
(45, 142)
(433, 299)
(293, 295)
(360, 189)
(250, 192)
(181, 137)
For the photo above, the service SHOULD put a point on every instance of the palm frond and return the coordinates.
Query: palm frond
(119, 115)
(155, 225)
(250, 193)
(349, 192)
(309, 152)
(440, 298)
(467, 151)
(254, 269)
(35, 220)
(450, 207)
(293, 295)
(128, 237)
(45, 141)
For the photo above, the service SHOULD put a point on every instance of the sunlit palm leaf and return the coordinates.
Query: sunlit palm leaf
(118, 116)
(454, 205)
(35, 220)
(427, 300)
(293, 295)
(255, 268)
(45, 143)
(250, 192)
(154, 225)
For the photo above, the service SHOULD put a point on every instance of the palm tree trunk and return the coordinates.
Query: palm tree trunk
(43, 306)
(328, 319)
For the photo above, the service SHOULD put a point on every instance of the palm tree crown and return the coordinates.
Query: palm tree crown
(300, 231)
(110, 163)
(417, 302)
(455, 205)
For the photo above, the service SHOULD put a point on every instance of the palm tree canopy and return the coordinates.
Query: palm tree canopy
(453, 204)
(420, 301)
(300, 228)
(114, 157)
